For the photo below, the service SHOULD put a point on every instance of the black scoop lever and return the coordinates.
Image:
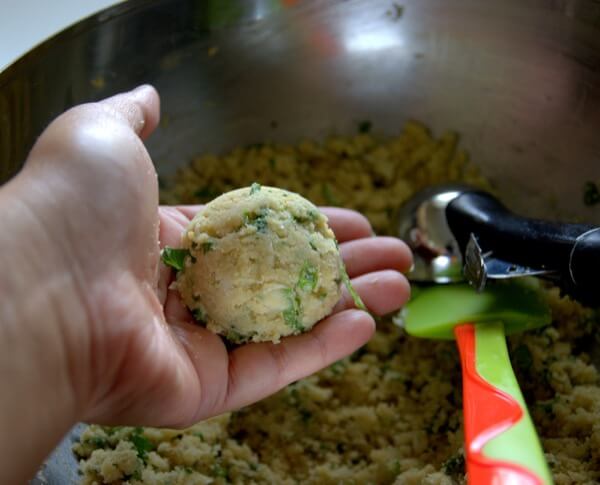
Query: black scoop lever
(504, 244)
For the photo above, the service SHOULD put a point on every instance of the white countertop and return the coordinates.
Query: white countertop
(26, 23)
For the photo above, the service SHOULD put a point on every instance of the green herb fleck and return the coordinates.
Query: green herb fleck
(188, 470)
(207, 246)
(355, 296)
(253, 466)
(141, 443)
(295, 400)
(261, 223)
(293, 314)
(312, 245)
(337, 367)
(173, 257)
(110, 430)
(364, 126)
(199, 315)
(309, 276)
(310, 216)
(98, 441)
(199, 435)
(257, 220)
(254, 188)
(522, 357)
(235, 337)
(328, 195)
(591, 194)
(219, 471)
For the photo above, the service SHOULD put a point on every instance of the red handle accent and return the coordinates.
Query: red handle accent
(488, 412)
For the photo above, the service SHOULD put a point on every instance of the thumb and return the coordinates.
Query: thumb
(137, 112)
(139, 108)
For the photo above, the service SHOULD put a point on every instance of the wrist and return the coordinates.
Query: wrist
(37, 361)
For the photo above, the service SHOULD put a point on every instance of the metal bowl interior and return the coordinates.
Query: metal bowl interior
(518, 79)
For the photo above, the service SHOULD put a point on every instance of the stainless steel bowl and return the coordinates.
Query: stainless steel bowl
(519, 79)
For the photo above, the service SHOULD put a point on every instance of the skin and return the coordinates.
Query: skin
(88, 328)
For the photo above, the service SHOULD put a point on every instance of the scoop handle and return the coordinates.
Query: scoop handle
(572, 251)
(501, 443)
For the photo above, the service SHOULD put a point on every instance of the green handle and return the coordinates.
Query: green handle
(519, 444)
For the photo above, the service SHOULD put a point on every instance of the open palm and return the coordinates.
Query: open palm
(253, 371)
(136, 356)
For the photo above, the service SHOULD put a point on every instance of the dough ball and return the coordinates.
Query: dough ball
(263, 265)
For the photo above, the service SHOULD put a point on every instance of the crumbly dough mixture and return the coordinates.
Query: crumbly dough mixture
(263, 265)
(390, 413)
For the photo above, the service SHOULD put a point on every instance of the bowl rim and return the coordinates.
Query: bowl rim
(124, 7)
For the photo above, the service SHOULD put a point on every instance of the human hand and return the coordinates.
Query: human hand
(119, 346)
(250, 372)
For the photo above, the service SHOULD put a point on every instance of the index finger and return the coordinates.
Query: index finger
(345, 223)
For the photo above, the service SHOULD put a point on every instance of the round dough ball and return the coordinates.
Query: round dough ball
(263, 265)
